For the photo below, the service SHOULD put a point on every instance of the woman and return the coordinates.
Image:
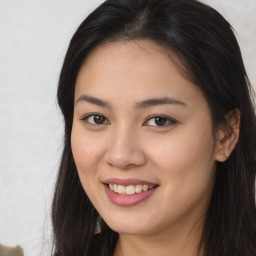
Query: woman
(160, 148)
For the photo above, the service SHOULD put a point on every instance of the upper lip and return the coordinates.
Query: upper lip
(127, 182)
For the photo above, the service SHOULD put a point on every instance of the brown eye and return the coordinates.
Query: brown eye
(160, 121)
(95, 119)
(99, 119)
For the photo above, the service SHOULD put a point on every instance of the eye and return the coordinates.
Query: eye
(95, 119)
(160, 121)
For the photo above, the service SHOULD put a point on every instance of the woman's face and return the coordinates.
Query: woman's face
(142, 129)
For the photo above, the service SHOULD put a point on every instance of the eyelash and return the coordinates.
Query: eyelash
(86, 117)
(167, 119)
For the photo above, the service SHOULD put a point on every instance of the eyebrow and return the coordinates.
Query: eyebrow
(159, 101)
(143, 104)
(93, 100)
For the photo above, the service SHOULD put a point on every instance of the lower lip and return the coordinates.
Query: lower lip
(128, 200)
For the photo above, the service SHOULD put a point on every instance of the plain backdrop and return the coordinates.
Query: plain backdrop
(34, 35)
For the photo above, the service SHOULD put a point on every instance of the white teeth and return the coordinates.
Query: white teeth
(138, 188)
(129, 190)
(115, 188)
(121, 189)
(145, 187)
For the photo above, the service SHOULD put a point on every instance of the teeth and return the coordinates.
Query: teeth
(129, 190)
(115, 188)
(138, 188)
(121, 189)
(145, 187)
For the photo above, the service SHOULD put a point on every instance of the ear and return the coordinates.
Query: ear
(228, 136)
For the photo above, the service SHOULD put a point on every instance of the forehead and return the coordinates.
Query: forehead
(131, 69)
(126, 55)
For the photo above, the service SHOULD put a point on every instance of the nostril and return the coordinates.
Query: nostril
(124, 158)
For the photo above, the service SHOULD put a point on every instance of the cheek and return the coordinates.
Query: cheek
(87, 152)
(86, 149)
(185, 165)
(179, 153)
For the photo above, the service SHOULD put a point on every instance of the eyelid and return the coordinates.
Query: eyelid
(171, 121)
(87, 116)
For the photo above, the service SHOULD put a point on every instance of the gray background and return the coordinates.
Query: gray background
(34, 36)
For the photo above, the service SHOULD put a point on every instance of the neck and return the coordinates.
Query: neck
(175, 242)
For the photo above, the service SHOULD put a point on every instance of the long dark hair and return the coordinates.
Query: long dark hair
(210, 55)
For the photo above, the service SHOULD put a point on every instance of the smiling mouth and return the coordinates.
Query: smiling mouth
(130, 189)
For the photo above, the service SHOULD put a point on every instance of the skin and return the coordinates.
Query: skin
(179, 156)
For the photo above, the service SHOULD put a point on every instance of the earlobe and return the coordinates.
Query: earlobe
(228, 136)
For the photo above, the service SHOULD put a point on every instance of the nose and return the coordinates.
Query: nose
(125, 151)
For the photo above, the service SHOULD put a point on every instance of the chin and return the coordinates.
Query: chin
(130, 226)
(126, 229)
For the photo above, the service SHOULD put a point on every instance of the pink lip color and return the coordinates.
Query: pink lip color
(127, 182)
(128, 200)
